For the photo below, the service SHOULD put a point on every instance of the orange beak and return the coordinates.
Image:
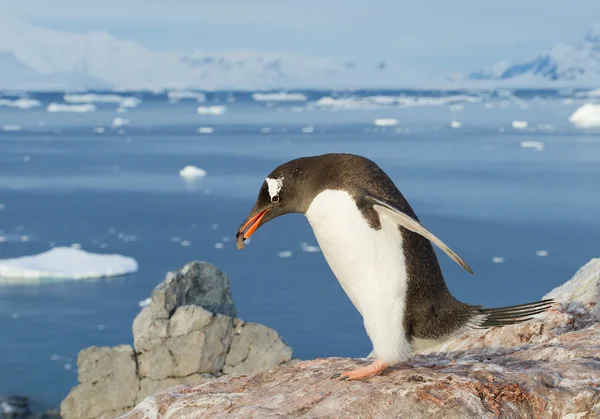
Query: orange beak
(253, 222)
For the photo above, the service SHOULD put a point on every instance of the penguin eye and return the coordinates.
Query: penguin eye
(275, 199)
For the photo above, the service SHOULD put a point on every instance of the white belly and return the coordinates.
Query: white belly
(369, 264)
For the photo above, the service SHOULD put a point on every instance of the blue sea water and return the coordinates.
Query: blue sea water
(475, 187)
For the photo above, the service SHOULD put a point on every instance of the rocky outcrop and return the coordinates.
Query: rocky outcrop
(548, 367)
(188, 334)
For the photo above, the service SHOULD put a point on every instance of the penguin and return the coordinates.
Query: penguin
(379, 252)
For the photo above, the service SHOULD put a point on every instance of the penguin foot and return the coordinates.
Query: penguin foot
(372, 370)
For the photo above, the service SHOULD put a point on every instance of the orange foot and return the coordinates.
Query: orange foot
(372, 370)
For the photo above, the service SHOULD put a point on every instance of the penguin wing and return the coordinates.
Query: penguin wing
(409, 223)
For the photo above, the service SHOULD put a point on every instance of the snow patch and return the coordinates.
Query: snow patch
(66, 263)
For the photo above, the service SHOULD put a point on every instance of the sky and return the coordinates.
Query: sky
(432, 35)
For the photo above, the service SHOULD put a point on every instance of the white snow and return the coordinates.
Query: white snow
(587, 116)
(21, 103)
(284, 254)
(455, 124)
(211, 110)
(177, 95)
(498, 259)
(66, 263)
(205, 130)
(192, 172)
(279, 97)
(537, 145)
(385, 122)
(61, 107)
(119, 122)
(520, 124)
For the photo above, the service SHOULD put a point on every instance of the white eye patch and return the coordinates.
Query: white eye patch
(274, 186)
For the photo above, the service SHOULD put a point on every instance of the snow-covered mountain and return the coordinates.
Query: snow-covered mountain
(563, 65)
(39, 58)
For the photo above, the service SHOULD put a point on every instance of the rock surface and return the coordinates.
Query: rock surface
(186, 335)
(548, 367)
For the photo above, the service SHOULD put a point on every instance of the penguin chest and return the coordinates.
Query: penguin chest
(368, 263)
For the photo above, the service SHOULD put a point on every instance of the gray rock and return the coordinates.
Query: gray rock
(255, 348)
(109, 383)
(197, 283)
(183, 336)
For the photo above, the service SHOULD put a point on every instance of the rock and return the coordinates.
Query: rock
(176, 342)
(255, 348)
(545, 368)
(197, 283)
(108, 383)
(19, 407)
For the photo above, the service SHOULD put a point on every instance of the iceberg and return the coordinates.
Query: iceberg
(279, 97)
(119, 122)
(191, 173)
(61, 107)
(123, 101)
(65, 263)
(211, 110)
(11, 128)
(587, 116)
(284, 254)
(21, 103)
(205, 130)
(537, 145)
(520, 124)
(455, 124)
(385, 122)
(177, 95)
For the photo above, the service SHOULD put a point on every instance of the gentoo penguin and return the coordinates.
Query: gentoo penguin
(380, 253)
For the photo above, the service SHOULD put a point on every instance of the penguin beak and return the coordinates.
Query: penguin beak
(253, 221)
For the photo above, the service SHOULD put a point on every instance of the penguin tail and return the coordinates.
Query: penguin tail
(485, 318)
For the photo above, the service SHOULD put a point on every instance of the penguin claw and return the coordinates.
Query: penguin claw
(335, 376)
(344, 378)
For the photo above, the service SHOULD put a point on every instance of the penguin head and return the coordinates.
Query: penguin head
(286, 190)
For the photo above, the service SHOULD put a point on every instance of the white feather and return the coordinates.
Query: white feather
(370, 266)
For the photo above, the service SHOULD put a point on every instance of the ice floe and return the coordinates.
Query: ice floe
(177, 95)
(455, 124)
(192, 172)
(145, 302)
(279, 97)
(123, 101)
(385, 122)
(205, 130)
(98, 130)
(21, 103)
(11, 128)
(308, 248)
(401, 101)
(537, 145)
(211, 110)
(119, 122)
(219, 245)
(308, 130)
(587, 116)
(498, 259)
(520, 124)
(284, 254)
(541, 253)
(62, 107)
(65, 263)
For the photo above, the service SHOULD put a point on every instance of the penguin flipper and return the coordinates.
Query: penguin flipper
(409, 223)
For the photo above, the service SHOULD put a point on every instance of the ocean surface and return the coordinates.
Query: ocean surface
(65, 181)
